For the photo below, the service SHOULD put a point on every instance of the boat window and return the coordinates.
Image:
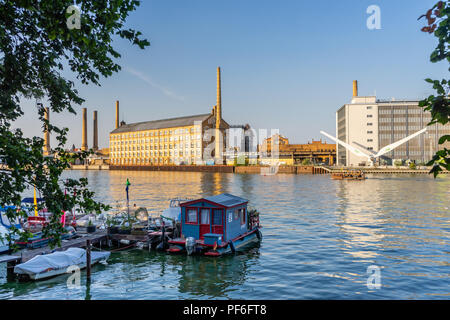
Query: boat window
(191, 216)
(242, 216)
(236, 214)
(204, 216)
(217, 218)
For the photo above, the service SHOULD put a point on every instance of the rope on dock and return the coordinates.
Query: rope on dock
(123, 248)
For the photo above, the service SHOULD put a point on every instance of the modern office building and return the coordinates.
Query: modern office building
(175, 141)
(370, 123)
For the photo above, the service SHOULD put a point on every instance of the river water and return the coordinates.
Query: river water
(320, 236)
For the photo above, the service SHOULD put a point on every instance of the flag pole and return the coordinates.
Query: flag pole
(35, 204)
(128, 203)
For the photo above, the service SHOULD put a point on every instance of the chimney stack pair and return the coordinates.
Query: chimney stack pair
(84, 144)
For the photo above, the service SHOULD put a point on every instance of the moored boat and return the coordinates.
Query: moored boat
(348, 175)
(216, 225)
(4, 245)
(37, 240)
(57, 263)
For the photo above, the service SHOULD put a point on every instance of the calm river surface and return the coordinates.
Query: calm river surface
(319, 238)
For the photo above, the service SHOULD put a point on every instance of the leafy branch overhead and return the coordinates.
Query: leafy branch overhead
(36, 47)
(438, 23)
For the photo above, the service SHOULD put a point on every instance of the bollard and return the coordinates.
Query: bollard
(88, 260)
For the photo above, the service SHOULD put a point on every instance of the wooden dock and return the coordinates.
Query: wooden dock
(130, 237)
(80, 242)
(7, 259)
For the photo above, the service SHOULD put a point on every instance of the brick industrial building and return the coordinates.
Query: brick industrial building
(290, 154)
(170, 141)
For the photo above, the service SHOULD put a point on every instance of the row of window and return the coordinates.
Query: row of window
(153, 161)
(156, 140)
(154, 153)
(410, 110)
(399, 128)
(155, 133)
(202, 215)
(158, 147)
(410, 120)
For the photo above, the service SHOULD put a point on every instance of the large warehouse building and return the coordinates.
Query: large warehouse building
(170, 141)
(370, 123)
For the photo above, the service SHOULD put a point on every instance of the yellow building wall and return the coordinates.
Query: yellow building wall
(167, 146)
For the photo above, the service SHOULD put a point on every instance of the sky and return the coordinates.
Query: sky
(286, 65)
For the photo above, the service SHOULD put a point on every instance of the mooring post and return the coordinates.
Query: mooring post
(10, 269)
(88, 260)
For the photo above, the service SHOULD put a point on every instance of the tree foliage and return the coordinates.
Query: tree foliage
(36, 47)
(438, 23)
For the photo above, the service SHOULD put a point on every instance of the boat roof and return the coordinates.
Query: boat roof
(227, 200)
(224, 200)
(31, 200)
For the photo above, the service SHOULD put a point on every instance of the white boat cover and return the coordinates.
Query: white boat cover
(4, 246)
(173, 212)
(58, 260)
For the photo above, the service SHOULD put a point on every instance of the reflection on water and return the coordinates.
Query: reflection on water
(319, 237)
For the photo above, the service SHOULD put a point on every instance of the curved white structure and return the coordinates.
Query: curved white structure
(365, 153)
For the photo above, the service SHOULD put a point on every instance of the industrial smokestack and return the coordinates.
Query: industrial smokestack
(219, 99)
(95, 129)
(84, 145)
(46, 132)
(218, 114)
(117, 114)
(355, 88)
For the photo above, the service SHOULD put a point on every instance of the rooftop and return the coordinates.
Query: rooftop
(161, 124)
(227, 199)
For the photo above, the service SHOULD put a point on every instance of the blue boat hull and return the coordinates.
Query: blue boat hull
(240, 244)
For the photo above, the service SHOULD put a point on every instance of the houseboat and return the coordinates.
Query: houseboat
(216, 225)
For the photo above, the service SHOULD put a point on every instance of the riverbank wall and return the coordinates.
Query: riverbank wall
(89, 167)
(263, 170)
(266, 170)
(222, 169)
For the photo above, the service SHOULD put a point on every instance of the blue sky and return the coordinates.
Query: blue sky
(285, 64)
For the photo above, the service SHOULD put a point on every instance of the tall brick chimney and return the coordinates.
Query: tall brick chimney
(84, 144)
(355, 88)
(95, 135)
(46, 132)
(117, 114)
(218, 138)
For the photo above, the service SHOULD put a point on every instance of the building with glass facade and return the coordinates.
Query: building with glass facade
(370, 123)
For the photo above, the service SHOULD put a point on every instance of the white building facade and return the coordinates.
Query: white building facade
(369, 123)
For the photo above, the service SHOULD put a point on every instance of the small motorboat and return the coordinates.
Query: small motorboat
(57, 263)
(348, 175)
(92, 219)
(37, 240)
(166, 225)
(4, 245)
(5, 221)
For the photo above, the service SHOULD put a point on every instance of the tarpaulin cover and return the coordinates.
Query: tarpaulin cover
(3, 241)
(57, 260)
